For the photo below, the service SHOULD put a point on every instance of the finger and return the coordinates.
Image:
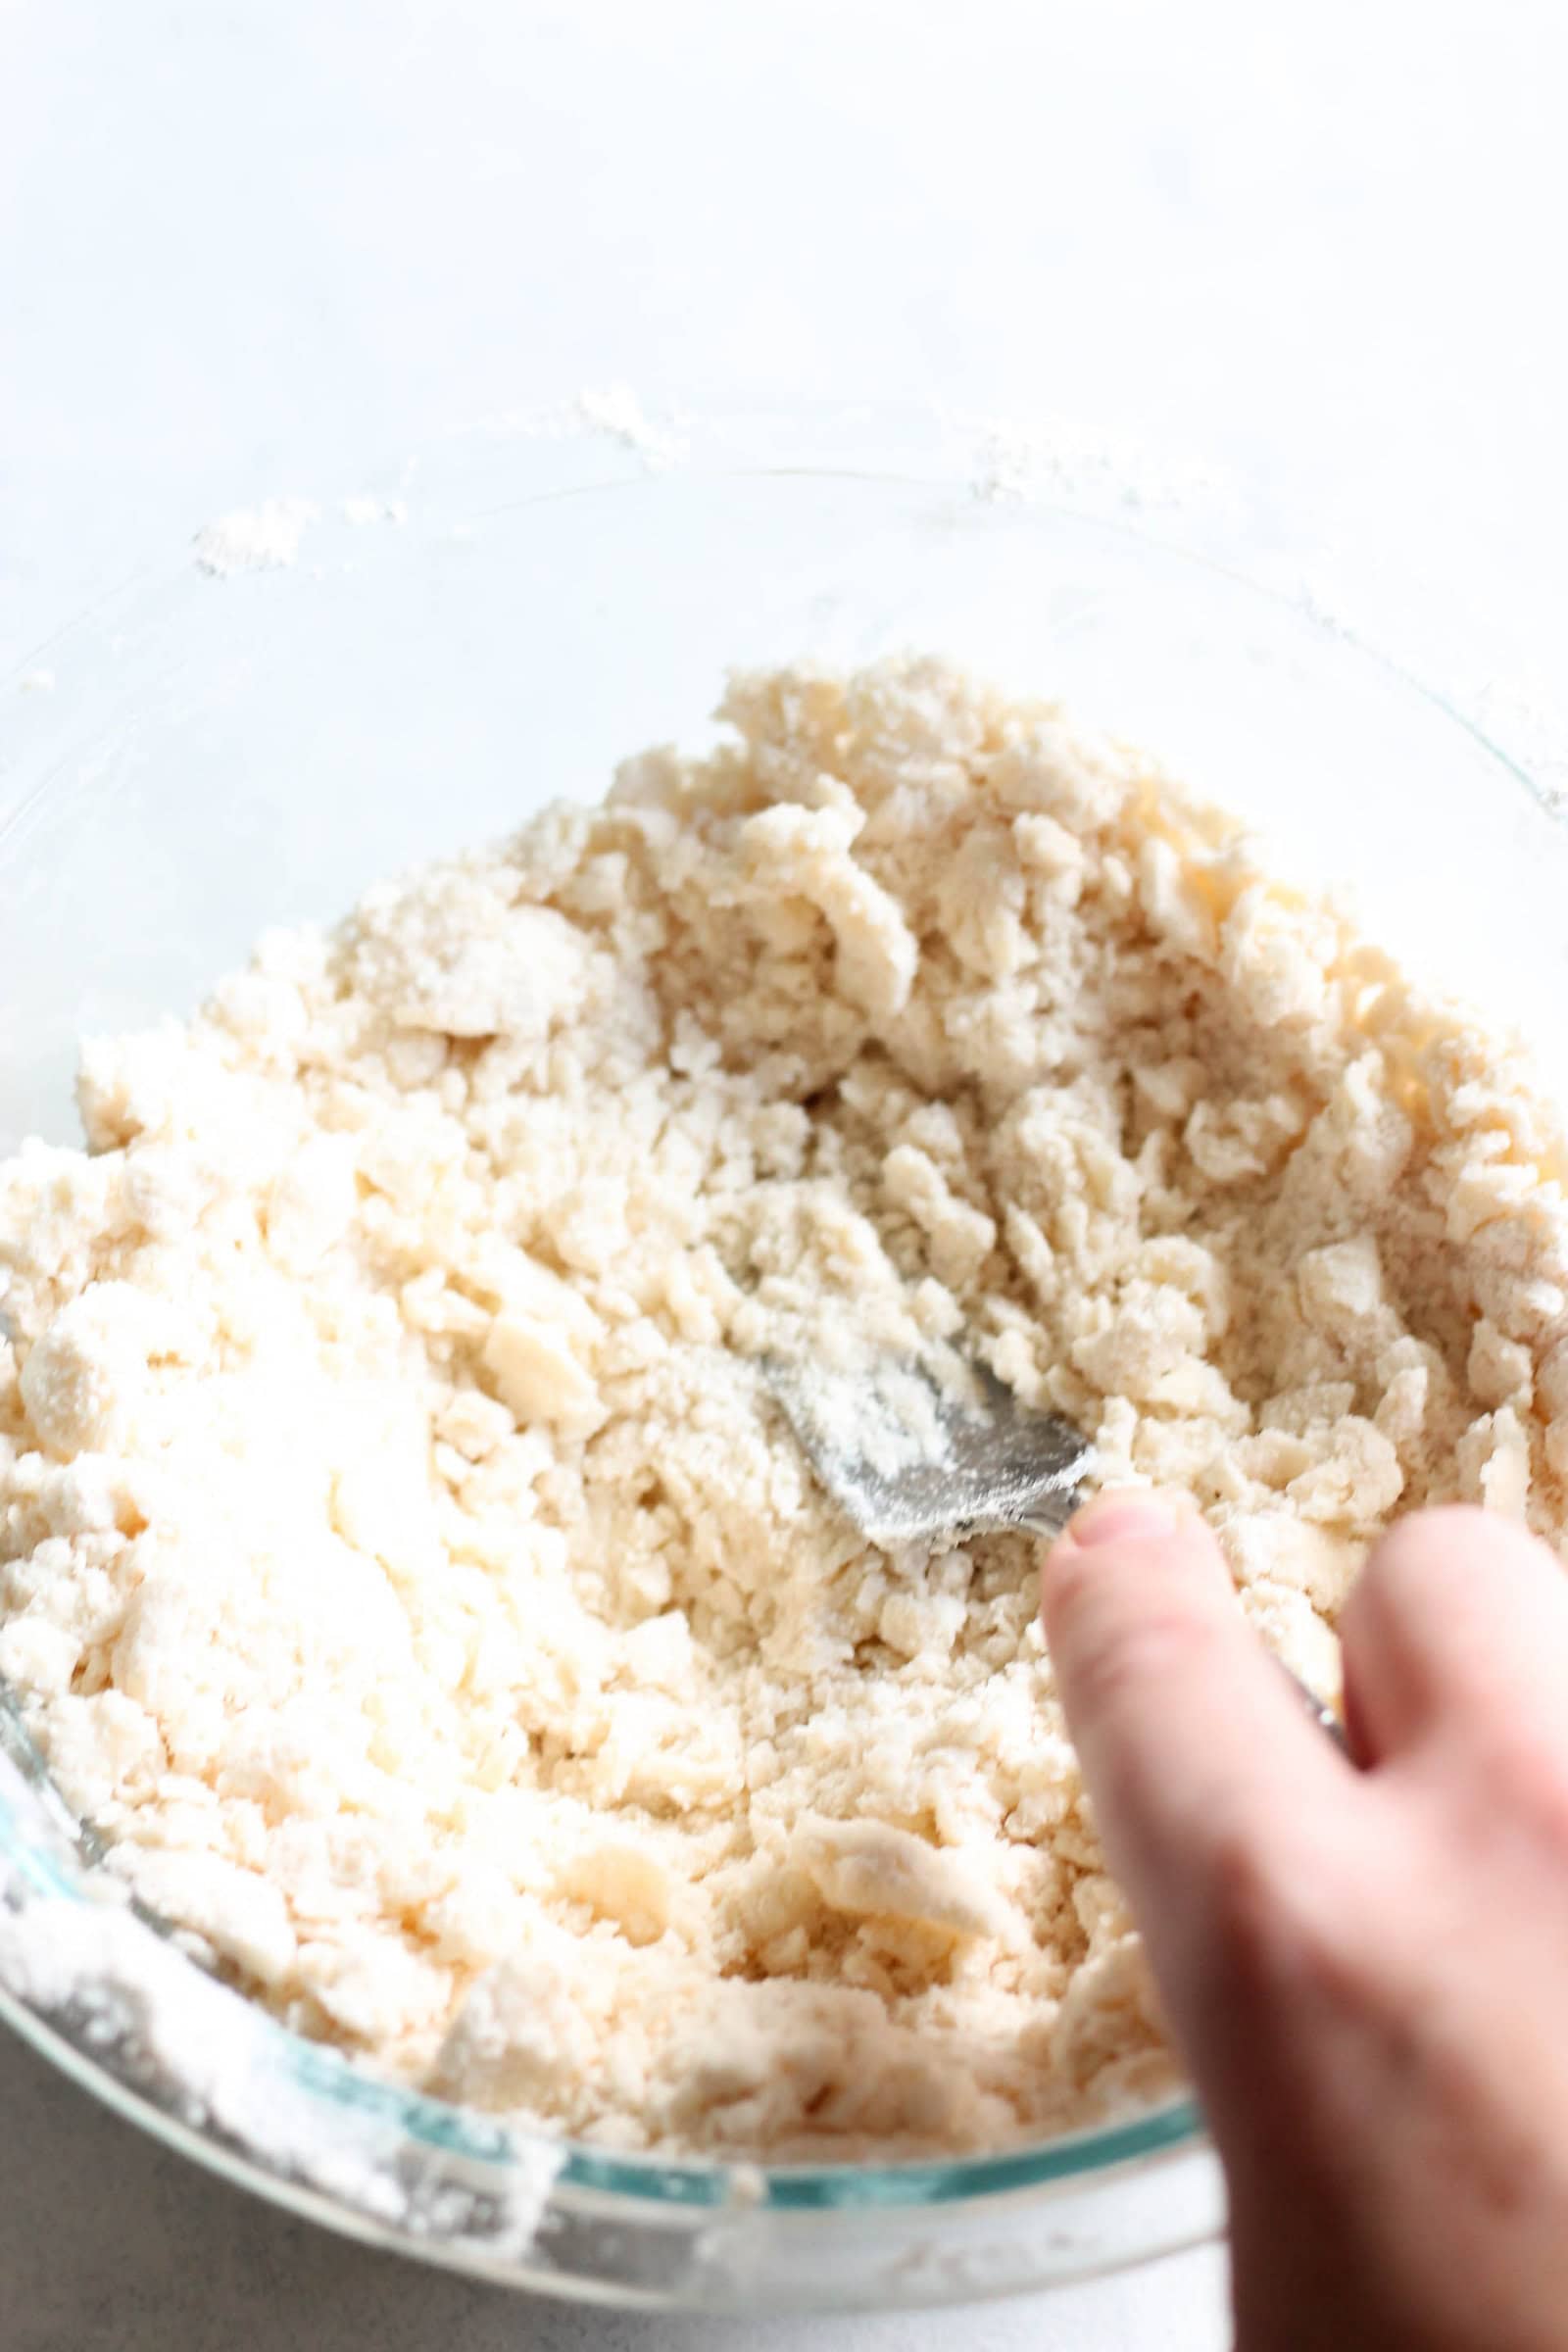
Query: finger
(1459, 1618)
(1191, 1741)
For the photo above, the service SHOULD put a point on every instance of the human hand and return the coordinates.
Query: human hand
(1366, 1970)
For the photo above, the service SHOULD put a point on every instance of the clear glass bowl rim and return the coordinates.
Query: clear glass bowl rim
(1165, 2130)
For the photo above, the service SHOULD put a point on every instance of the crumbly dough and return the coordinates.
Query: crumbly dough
(407, 1569)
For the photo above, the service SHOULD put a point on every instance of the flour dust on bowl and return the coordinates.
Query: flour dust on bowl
(527, 1824)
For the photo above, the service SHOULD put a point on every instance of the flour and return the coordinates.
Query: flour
(1047, 457)
(405, 1563)
(264, 538)
(613, 411)
(113, 1987)
(885, 1416)
(365, 508)
(618, 412)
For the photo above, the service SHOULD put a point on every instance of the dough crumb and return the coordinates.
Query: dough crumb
(406, 1564)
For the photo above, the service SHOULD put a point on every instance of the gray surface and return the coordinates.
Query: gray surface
(111, 2243)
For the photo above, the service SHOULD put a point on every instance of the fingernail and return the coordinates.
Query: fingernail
(1132, 1513)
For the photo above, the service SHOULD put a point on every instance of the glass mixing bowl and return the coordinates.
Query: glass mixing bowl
(198, 757)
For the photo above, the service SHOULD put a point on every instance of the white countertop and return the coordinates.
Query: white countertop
(1295, 274)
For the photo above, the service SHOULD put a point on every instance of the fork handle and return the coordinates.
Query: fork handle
(1321, 1712)
(1050, 1518)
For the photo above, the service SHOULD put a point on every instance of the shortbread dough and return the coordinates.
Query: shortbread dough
(406, 1569)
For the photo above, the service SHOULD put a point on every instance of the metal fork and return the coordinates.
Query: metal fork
(936, 1447)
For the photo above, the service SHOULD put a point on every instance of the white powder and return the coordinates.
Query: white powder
(618, 412)
(883, 1415)
(264, 538)
(367, 508)
(111, 1986)
(1049, 456)
(406, 1564)
(613, 411)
